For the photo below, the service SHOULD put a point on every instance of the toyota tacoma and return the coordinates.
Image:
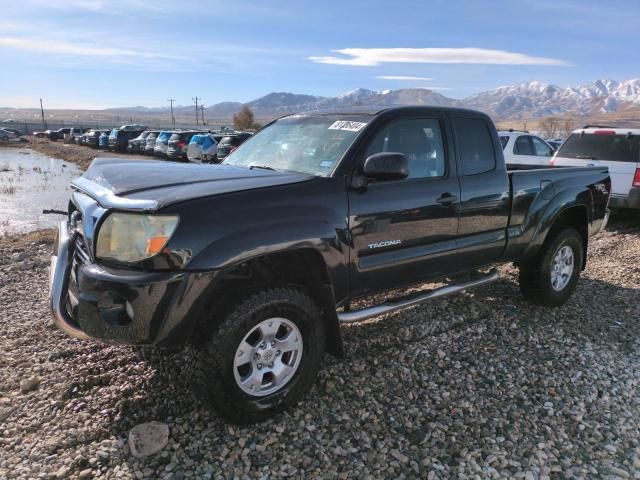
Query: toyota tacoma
(256, 261)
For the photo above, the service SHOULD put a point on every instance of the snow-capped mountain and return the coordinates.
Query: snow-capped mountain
(535, 99)
(281, 103)
(528, 100)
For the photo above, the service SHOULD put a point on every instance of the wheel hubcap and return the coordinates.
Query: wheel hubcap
(268, 357)
(562, 268)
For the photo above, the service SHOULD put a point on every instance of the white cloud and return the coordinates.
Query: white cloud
(371, 57)
(68, 48)
(403, 77)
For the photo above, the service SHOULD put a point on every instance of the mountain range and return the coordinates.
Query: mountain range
(528, 100)
(535, 99)
(515, 102)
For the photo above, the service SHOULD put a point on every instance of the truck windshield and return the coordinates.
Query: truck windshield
(300, 143)
(615, 148)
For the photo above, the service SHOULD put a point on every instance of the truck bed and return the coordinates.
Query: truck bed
(537, 192)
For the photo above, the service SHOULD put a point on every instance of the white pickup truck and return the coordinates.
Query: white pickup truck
(616, 148)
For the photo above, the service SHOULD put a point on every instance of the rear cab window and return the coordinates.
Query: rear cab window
(609, 146)
(475, 146)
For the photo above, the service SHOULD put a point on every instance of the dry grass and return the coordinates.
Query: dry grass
(22, 240)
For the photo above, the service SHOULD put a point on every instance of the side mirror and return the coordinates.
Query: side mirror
(386, 166)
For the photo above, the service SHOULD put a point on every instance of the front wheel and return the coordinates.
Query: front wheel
(263, 357)
(552, 276)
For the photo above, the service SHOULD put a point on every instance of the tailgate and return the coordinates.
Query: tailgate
(621, 172)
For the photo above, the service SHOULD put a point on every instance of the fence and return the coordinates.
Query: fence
(28, 127)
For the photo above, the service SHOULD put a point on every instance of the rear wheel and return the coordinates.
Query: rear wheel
(552, 276)
(263, 357)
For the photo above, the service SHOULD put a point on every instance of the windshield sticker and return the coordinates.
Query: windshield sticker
(348, 126)
(326, 163)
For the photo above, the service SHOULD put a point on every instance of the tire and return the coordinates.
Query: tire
(537, 277)
(217, 377)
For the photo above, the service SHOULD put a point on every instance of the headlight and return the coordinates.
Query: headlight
(131, 237)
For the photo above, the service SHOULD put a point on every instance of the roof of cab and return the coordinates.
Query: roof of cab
(600, 129)
(378, 109)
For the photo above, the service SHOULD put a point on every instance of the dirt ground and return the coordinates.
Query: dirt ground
(78, 154)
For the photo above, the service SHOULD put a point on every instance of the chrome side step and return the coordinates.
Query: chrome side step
(399, 304)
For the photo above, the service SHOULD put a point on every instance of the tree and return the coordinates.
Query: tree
(568, 126)
(244, 120)
(549, 126)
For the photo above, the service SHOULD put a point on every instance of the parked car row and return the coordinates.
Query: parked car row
(62, 133)
(7, 134)
(591, 146)
(199, 146)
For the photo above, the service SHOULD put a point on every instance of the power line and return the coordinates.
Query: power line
(173, 119)
(195, 99)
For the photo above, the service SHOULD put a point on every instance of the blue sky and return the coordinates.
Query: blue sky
(101, 53)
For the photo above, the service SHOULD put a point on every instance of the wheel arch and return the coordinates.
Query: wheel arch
(304, 268)
(575, 215)
(571, 207)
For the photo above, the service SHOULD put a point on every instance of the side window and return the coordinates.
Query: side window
(523, 146)
(420, 140)
(475, 146)
(504, 141)
(541, 148)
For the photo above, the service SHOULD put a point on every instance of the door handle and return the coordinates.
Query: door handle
(447, 199)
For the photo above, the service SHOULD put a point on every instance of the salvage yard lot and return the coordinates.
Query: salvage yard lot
(480, 385)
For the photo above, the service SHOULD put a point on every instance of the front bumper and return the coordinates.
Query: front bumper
(59, 282)
(123, 306)
(631, 200)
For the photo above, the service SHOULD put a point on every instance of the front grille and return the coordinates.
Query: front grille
(81, 250)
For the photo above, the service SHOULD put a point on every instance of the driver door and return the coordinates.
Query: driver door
(404, 231)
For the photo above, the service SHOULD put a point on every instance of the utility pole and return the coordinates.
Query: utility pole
(44, 123)
(202, 109)
(195, 99)
(173, 119)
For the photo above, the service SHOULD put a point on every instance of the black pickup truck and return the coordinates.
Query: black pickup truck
(256, 261)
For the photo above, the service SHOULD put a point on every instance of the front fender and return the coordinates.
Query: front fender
(252, 241)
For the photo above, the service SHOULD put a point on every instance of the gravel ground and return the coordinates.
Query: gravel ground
(480, 385)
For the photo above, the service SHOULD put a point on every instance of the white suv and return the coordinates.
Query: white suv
(616, 148)
(523, 150)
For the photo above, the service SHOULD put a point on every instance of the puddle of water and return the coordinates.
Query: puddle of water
(32, 183)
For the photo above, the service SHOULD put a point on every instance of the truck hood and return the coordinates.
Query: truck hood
(151, 185)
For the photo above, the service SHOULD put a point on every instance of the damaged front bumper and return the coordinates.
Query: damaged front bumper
(89, 300)
(59, 283)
